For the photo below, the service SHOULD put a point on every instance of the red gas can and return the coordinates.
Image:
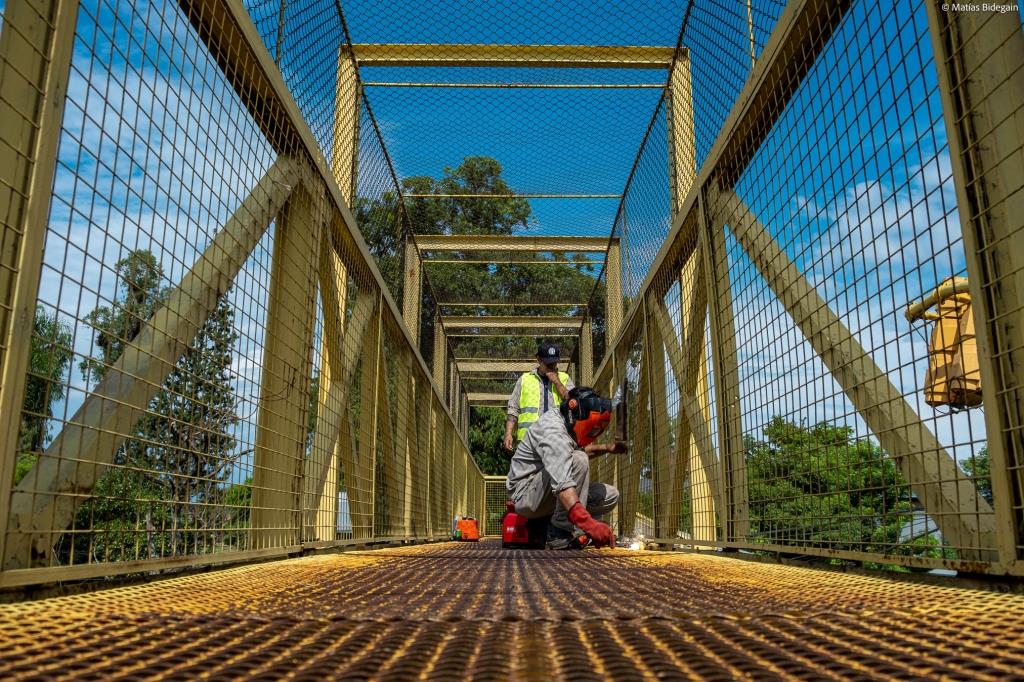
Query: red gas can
(518, 531)
(513, 528)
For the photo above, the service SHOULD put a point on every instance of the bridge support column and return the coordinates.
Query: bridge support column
(980, 61)
(344, 156)
(36, 44)
(732, 468)
(283, 417)
(613, 292)
(412, 291)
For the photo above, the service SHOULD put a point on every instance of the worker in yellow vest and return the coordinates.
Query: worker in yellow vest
(537, 391)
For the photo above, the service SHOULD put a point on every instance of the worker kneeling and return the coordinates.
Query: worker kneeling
(550, 471)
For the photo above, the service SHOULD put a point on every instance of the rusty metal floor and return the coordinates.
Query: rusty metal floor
(476, 611)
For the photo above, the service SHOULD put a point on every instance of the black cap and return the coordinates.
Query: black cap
(548, 353)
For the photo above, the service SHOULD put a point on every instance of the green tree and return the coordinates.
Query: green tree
(979, 469)
(485, 433)
(49, 361)
(171, 471)
(819, 487)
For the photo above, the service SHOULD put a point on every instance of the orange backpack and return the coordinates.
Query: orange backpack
(467, 530)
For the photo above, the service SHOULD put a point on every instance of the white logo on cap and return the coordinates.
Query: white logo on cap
(551, 351)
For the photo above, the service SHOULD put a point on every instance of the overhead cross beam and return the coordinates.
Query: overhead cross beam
(544, 56)
(487, 399)
(502, 366)
(476, 242)
(453, 323)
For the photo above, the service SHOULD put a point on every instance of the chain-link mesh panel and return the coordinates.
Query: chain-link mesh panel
(495, 496)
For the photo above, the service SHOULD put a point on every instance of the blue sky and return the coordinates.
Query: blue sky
(856, 171)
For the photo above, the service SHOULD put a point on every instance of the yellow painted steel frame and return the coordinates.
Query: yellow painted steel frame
(433, 242)
(35, 61)
(545, 56)
(979, 56)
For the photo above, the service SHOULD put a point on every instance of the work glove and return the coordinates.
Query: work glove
(600, 533)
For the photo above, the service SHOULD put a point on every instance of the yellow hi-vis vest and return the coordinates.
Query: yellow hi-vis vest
(530, 400)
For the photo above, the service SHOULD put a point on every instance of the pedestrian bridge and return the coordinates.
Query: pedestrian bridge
(269, 271)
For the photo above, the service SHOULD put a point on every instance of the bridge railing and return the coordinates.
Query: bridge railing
(201, 360)
(781, 398)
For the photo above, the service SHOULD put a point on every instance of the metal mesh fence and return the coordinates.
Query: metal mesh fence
(495, 496)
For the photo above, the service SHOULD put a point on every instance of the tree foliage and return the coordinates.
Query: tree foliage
(979, 468)
(44, 386)
(817, 486)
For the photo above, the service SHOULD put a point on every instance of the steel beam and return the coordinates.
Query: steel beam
(487, 399)
(481, 242)
(682, 135)
(413, 291)
(519, 56)
(452, 323)
(496, 365)
(344, 157)
(239, 60)
(964, 517)
(283, 415)
(613, 292)
(979, 56)
(36, 44)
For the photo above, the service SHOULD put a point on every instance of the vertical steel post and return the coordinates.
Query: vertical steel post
(344, 156)
(682, 174)
(440, 361)
(666, 519)
(36, 44)
(979, 56)
(613, 292)
(732, 465)
(284, 389)
(412, 293)
(682, 135)
(750, 32)
(586, 371)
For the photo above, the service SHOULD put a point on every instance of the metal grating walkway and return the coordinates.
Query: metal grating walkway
(449, 611)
